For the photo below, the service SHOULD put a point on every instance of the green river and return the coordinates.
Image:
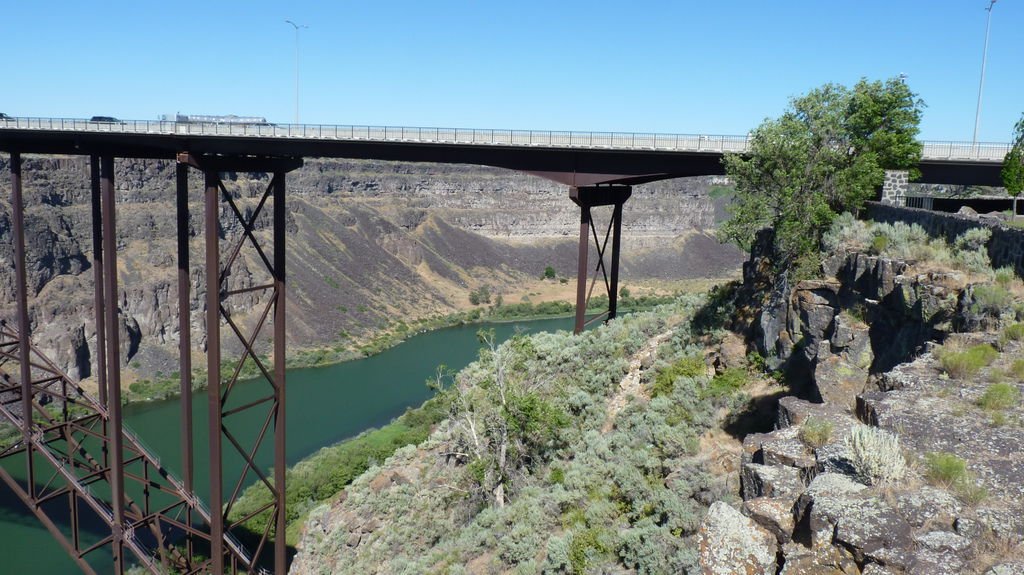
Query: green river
(325, 405)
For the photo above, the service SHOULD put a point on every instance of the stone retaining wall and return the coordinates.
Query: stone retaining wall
(1006, 249)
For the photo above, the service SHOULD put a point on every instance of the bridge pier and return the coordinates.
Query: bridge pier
(218, 293)
(82, 466)
(587, 197)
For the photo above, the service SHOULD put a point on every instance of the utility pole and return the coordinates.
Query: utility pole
(984, 59)
(297, 28)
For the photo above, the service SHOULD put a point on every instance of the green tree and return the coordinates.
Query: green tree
(549, 273)
(1013, 165)
(480, 295)
(826, 154)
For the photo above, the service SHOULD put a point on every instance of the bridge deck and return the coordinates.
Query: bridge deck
(641, 141)
(605, 156)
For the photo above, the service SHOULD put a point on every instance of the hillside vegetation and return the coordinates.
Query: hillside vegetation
(556, 454)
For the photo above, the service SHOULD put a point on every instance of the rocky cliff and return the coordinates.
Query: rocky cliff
(369, 243)
(891, 459)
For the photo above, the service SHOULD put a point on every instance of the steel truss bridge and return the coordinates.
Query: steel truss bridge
(82, 464)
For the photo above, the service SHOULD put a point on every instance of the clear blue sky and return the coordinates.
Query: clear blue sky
(717, 66)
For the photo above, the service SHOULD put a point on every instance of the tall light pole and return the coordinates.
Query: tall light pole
(984, 58)
(297, 28)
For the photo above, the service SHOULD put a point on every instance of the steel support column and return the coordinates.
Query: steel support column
(97, 275)
(211, 197)
(225, 491)
(280, 463)
(582, 273)
(115, 437)
(21, 295)
(586, 198)
(185, 337)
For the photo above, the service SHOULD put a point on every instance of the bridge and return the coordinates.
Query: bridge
(572, 158)
(81, 463)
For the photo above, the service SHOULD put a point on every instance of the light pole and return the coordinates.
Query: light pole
(984, 58)
(297, 28)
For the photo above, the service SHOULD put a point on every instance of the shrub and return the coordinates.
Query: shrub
(549, 273)
(966, 363)
(1013, 332)
(944, 468)
(847, 231)
(580, 548)
(1017, 368)
(688, 366)
(1005, 277)
(905, 241)
(973, 239)
(879, 244)
(949, 471)
(1000, 396)
(991, 299)
(971, 253)
(816, 431)
(875, 455)
(725, 383)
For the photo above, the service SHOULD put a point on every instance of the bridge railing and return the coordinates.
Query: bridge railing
(965, 150)
(983, 151)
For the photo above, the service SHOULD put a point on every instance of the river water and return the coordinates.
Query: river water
(325, 405)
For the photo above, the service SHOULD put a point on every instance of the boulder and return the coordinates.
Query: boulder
(814, 305)
(774, 514)
(770, 481)
(838, 511)
(927, 504)
(730, 543)
(826, 561)
(839, 378)
(834, 456)
(784, 447)
(732, 351)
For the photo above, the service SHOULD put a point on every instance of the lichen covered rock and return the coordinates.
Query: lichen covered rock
(731, 544)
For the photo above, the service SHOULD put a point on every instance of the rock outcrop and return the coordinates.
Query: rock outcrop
(863, 341)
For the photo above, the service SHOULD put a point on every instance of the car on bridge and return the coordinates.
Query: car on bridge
(4, 116)
(105, 119)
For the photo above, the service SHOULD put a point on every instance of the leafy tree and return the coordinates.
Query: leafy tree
(624, 292)
(1013, 165)
(480, 295)
(549, 273)
(826, 154)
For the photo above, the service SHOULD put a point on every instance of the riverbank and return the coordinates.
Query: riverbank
(348, 348)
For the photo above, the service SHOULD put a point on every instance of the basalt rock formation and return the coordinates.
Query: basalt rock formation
(864, 343)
